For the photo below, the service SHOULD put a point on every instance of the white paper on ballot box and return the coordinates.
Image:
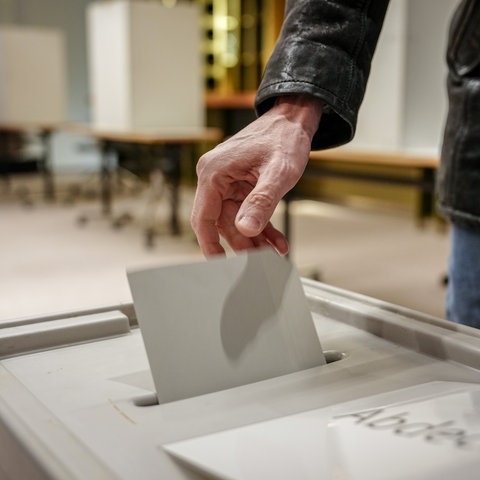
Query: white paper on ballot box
(222, 323)
(421, 439)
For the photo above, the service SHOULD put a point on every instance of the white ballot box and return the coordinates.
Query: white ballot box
(398, 396)
(33, 84)
(145, 65)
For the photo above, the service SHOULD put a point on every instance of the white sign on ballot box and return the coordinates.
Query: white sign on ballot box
(222, 323)
(434, 433)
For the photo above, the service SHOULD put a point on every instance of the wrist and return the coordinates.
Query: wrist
(305, 110)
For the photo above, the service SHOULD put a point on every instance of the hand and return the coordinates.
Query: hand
(242, 180)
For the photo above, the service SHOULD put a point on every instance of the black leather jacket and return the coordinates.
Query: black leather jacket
(325, 50)
(459, 174)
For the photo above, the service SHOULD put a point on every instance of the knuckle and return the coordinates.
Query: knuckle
(261, 200)
(208, 169)
(202, 163)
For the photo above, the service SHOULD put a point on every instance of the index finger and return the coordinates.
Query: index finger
(207, 207)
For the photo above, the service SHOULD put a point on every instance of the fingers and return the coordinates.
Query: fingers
(255, 213)
(260, 204)
(208, 236)
(276, 238)
(268, 238)
(209, 231)
(243, 220)
(213, 217)
(209, 240)
(205, 213)
(226, 228)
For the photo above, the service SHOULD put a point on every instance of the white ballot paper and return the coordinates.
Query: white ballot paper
(222, 323)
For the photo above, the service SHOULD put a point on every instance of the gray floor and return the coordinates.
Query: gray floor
(49, 263)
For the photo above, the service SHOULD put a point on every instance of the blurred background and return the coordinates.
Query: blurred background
(105, 107)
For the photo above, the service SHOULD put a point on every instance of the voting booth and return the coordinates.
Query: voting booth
(33, 83)
(145, 65)
(406, 90)
(365, 389)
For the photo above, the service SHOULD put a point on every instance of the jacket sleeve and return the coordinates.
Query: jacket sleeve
(325, 49)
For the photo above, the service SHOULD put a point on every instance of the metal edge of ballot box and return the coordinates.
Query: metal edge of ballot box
(74, 386)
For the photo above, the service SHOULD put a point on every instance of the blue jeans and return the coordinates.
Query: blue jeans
(463, 293)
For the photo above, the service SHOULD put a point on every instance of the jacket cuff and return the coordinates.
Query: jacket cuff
(337, 125)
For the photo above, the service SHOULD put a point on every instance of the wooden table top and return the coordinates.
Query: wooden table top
(241, 100)
(377, 157)
(148, 136)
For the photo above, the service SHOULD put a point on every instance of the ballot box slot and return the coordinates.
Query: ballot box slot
(151, 399)
(332, 356)
(148, 400)
(30, 337)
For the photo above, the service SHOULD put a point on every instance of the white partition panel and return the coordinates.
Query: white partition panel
(32, 75)
(426, 99)
(145, 65)
(405, 103)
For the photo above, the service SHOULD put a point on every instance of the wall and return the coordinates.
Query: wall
(425, 80)
(405, 103)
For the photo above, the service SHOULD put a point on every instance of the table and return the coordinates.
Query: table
(44, 132)
(171, 140)
(232, 111)
(323, 164)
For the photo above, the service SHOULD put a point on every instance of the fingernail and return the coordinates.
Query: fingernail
(249, 223)
(282, 246)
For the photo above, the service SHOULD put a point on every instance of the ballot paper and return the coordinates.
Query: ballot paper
(223, 322)
(425, 438)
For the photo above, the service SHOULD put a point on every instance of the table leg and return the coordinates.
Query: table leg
(425, 208)
(46, 166)
(106, 178)
(172, 173)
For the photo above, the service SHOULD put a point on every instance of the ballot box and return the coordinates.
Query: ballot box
(398, 397)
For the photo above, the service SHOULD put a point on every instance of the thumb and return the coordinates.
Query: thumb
(257, 209)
